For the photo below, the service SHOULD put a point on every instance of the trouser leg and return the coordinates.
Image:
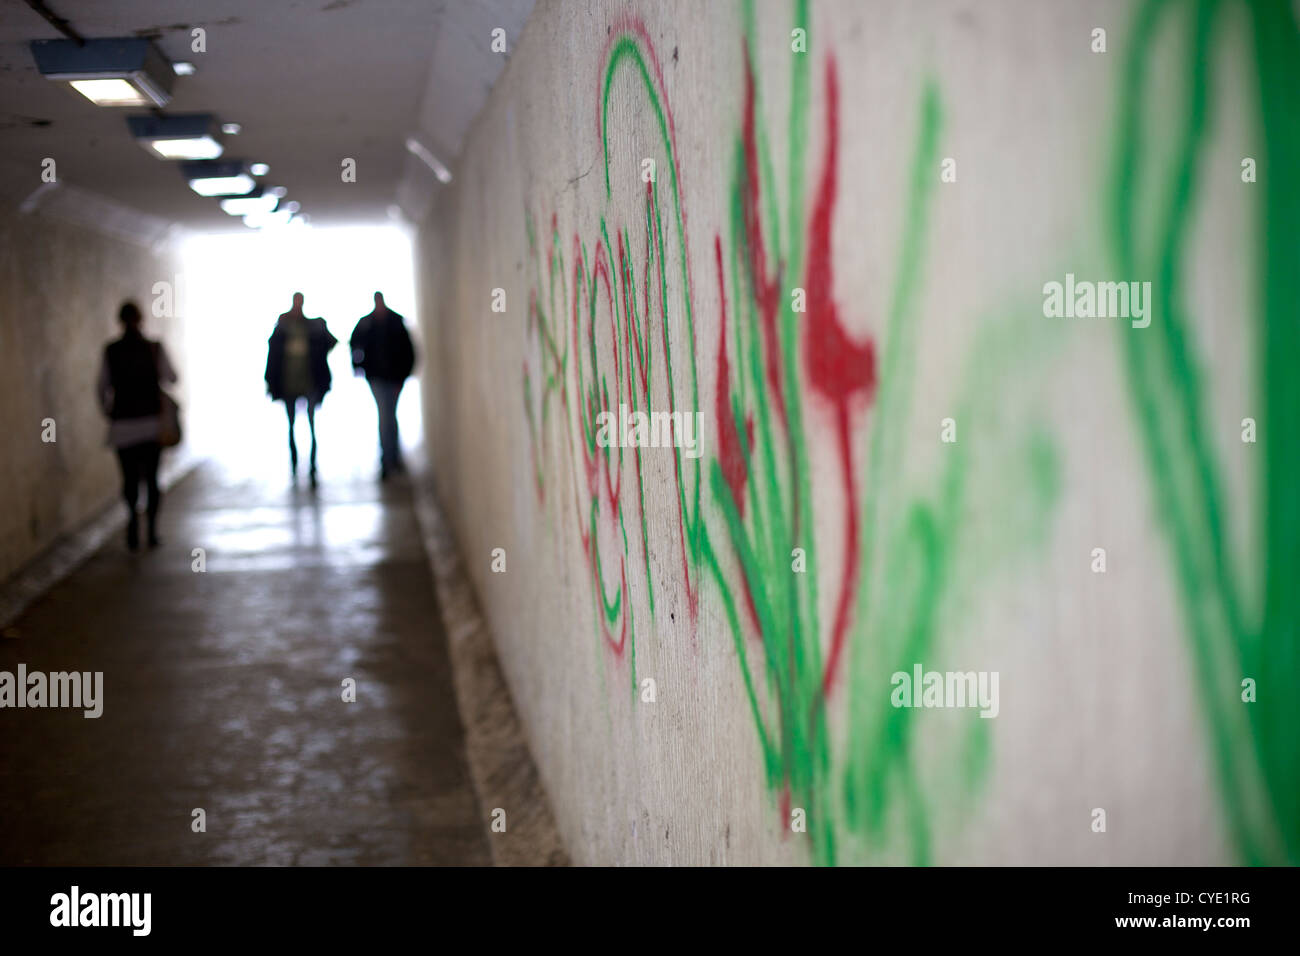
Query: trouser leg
(149, 456)
(394, 439)
(386, 394)
(311, 426)
(378, 389)
(129, 459)
(291, 410)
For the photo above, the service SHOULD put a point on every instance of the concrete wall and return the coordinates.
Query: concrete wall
(60, 287)
(906, 458)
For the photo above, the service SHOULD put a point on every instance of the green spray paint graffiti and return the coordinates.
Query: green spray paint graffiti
(1253, 745)
(611, 321)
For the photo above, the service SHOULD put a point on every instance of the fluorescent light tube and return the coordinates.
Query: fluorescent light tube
(200, 147)
(177, 136)
(263, 219)
(417, 149)
(218, 177)
(115, 92)
(223, 185)
(249, 205)
(123, 71)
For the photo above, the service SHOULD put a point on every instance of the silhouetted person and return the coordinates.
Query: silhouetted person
(381, 348)
(129, 387)
(297, 369)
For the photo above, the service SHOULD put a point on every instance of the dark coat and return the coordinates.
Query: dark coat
(381, 347)
(319, 342)
(133, 373)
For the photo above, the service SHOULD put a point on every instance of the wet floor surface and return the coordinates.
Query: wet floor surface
(223, 690)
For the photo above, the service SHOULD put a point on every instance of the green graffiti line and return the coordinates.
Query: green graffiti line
(1152, 204)
(898, 627)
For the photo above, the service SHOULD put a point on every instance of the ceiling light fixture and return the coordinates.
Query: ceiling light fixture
(255, 202)
(217, 177)
(262, 220)
(189, 136)
(259, 169)
(181, 68)
(417, 149)
(127, 71)
(231, 129)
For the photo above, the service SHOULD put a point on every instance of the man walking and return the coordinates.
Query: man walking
(381, 348)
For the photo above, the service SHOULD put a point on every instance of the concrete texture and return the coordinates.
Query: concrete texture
(60, 289)
(222, 690)
(944, 455)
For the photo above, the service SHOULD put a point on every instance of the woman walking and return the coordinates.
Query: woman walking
(297, 369)
(130, 394)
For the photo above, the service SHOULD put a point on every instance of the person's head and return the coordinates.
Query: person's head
(297, 302)
(130, 317)
(379, 301)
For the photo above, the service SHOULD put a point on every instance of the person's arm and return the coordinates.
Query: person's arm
(104, 387)
(357, 343)
(165, 371)
(408, 349)
(272, 366)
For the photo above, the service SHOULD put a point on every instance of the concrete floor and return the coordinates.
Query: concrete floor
(222, 690)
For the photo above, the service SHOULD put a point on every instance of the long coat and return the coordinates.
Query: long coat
(319, 342)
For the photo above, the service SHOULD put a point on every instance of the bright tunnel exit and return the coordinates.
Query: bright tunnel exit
(233, 288)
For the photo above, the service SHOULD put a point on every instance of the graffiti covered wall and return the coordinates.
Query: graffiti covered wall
(865, 426)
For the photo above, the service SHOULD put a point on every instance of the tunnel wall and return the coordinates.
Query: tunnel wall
(923, 463)
(60, 289)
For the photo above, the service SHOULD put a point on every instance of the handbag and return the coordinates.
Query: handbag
(169, 412)
(169, 421)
